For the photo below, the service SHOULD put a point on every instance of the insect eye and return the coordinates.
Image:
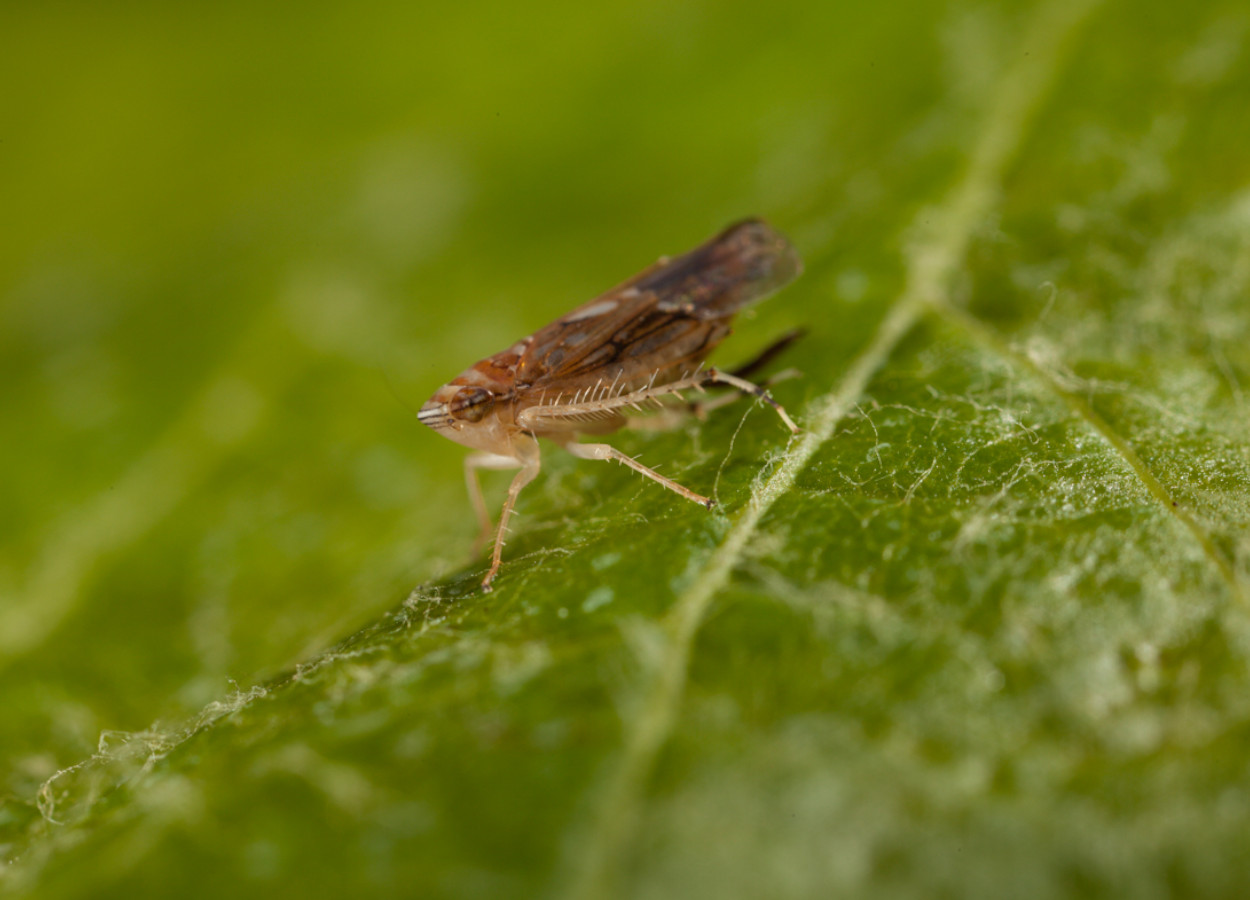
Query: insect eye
(472, 404)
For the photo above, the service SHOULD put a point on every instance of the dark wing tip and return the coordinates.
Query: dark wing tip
(766, 259)
(754, 238)
(743, 264)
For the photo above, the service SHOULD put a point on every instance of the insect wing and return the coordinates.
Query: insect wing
(625, 341)
(666, 318)
(743, 264)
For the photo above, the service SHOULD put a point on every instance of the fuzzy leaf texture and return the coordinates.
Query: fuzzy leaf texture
(982, 629)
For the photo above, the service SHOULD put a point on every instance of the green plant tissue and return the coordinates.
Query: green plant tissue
(982, 629)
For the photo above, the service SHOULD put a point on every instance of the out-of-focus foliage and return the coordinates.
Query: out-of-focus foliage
(982, 629)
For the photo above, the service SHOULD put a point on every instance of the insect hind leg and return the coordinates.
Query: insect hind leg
(544, 418)
(715, 376)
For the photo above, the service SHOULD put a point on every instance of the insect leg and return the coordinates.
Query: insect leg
(472, 463)
(715, 376)
(675, 415)
(700, 408)
(751, 366)
(607, 451)
(528, 459)
(540, 419)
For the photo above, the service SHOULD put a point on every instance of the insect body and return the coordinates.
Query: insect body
(625, 350)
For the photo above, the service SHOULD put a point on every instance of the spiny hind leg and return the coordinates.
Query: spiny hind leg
(715, 376)
(545, 418)
(672, 416)
(701, 408)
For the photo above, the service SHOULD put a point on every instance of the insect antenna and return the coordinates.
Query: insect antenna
(386, 379)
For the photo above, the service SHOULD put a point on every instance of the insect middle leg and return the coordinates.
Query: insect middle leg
(608, 452)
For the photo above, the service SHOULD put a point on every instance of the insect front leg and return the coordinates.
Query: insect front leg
(608, 452)
(472, 463)
(528, 459)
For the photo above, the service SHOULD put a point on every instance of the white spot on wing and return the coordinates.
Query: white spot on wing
(589, 312)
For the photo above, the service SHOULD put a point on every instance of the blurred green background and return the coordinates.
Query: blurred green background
(973, 646)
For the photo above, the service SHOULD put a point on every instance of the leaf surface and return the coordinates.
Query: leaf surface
(981, 627)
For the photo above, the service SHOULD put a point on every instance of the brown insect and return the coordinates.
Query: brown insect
(626, 350)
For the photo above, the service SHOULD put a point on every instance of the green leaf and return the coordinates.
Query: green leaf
(980, 630)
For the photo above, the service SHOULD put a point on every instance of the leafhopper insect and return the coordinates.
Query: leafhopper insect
(640, 343)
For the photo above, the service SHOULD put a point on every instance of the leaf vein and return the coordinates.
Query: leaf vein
(989, 339)
(931, 261)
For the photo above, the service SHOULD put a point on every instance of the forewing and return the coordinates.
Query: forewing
(744, 263)
(664, 319)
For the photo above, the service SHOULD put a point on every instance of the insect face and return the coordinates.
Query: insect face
(471, 404)
(454, 406)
